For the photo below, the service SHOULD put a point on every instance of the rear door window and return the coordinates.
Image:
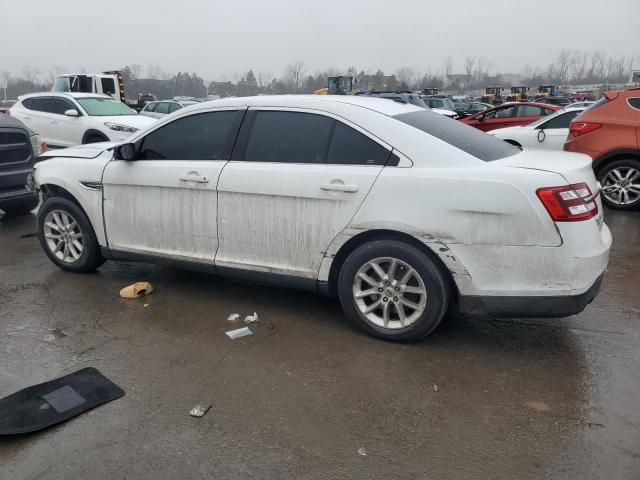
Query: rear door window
(561, 121)
(162, 107)
(174, 107)
(108, 86)
(457, 134)
(349, 146)
(42, 104)
(203, 136)
(529, 111)
(289, 137)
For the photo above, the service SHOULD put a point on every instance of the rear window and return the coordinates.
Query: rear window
(468, 139)
(599, 103)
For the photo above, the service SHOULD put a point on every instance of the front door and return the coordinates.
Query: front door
(296, 180)
(165, 202)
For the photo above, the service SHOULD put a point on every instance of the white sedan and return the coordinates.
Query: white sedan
(548, 132)
(67, 119)
(399, 212)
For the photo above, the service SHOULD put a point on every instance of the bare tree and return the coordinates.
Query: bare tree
(469, 64)
(30, 73)
(293, 75)
(155, 72)
(264, 79)
(564, 58)
(448, 66)
(405, 76)
(482, 69)
(136, 71)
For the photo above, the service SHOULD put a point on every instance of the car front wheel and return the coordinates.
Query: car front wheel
(393, 291)
(67, 237)
(620, 183)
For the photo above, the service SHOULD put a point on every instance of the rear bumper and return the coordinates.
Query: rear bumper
(530, 306)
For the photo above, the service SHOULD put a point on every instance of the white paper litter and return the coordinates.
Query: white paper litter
(199, 410)
(240, 332)
(251, 318)
(233, 317)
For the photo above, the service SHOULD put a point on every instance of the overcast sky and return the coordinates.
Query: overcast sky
(216, 38)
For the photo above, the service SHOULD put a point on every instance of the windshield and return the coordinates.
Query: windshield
(61, 84)
(103, 107)
(457, 134)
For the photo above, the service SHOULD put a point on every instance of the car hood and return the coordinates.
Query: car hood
(574, 167)
(90, 150)
(135, 121)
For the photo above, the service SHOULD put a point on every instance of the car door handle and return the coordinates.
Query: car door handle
(194, 177)
(339, 187)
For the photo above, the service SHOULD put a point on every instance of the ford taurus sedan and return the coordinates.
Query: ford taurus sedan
(399, 212)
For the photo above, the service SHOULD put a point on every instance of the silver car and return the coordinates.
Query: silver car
(164, 107)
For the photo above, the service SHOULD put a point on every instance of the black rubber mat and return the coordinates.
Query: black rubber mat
(41, 406)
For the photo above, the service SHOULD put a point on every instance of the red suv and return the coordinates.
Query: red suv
(609, 132)
(510, 114)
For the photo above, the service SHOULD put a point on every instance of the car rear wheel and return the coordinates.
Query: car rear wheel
(620, 181)
(393, 291)
(67, 237)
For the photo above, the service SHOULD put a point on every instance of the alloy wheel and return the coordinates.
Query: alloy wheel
(621, 185)
(63, 236)
(389, 293)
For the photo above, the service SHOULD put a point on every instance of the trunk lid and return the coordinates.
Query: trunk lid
(574, 167)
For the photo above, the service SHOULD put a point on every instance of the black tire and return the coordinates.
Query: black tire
(94, 138)
(21, 207)
(434, 279)
(90, 257)
(609, 197)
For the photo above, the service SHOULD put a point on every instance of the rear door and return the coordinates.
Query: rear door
(552, 134)
(37, 116)
(295, 181)
(165, 202)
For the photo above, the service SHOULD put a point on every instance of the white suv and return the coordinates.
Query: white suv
(396, 210)
(67, 119)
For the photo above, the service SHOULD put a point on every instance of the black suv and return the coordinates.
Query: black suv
(19, 146)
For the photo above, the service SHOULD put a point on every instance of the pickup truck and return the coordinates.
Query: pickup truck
(19, 147)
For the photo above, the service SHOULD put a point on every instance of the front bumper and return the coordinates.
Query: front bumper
(530, 306)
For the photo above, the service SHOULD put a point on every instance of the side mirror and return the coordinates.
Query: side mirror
(480, 118)
(72, 112)
(126, 152)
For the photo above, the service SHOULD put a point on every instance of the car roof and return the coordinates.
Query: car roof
(64, 94)
(327, 103)
(537, 104)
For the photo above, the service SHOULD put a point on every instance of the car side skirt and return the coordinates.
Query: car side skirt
(239, 274)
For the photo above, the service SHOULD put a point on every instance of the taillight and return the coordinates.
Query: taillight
(8, 112)
(570, 203)
(580, 128)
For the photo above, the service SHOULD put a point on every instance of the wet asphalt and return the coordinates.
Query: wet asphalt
(307, 396)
